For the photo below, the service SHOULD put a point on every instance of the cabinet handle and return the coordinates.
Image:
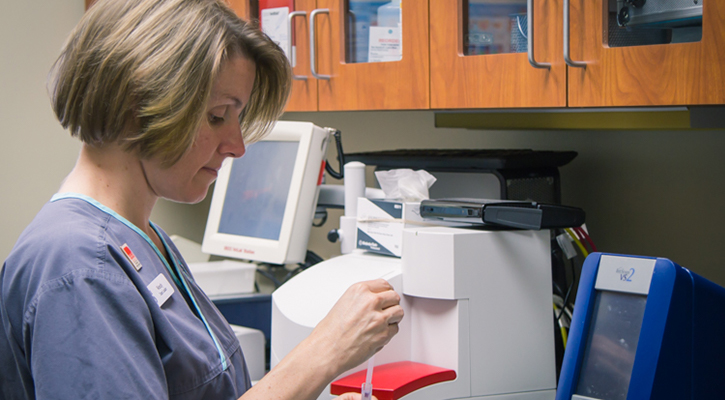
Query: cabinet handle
(290, 17)
(313, 69)
(530, 39)
(567, 58)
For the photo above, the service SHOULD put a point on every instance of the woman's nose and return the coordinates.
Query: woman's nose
(232, 143)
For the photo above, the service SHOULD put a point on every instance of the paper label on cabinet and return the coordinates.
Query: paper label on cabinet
(274, 24)
(386, 44)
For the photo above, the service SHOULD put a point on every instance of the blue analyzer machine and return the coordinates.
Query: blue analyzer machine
(644, 328)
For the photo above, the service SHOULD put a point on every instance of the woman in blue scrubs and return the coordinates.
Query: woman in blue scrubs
(95, 300)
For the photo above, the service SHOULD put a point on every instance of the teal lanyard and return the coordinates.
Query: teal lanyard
(176, 273)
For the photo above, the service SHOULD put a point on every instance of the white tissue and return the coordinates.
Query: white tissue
(405, 184)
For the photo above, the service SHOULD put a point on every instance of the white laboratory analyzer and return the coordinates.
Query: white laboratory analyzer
(478, 307)
(478, 320)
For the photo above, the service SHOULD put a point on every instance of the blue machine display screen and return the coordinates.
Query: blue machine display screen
(611, 345)
(257, 191)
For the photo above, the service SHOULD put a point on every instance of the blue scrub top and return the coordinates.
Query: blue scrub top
(78, 320)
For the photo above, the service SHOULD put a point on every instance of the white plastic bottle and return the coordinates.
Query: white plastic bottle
(389, 14)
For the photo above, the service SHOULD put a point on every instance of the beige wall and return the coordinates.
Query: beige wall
(648, 193)
(35, 153)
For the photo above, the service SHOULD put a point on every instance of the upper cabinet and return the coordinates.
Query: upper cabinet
(294, 22)
(374, 54)
(481, 55)
(646, 52)
(489, 54)
(576, 53)
(350, 55)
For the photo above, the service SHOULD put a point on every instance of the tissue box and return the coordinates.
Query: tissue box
(380, 224)
(224, 278)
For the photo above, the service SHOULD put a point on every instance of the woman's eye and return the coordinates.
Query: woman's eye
(215, 120)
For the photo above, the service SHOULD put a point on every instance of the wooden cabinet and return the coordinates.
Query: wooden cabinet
(397, 85)
(643, 75)
(304, 86)
(655, 75)
(435, 73)
(495, 80)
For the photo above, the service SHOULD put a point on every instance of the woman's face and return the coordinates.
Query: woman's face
(219, 137)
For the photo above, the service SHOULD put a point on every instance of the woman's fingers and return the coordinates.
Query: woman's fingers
(352, 396)
(394, 314)
(363, 320)
(378, 285)
(388, 298)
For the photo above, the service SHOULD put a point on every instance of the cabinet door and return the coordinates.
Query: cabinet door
(645, 75)
(389, 85)
(478, 62)
(304, 88)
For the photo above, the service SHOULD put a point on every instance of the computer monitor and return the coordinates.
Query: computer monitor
(264, 203)
(644, 328)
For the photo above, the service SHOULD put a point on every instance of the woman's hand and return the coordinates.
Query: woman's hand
(362, 321)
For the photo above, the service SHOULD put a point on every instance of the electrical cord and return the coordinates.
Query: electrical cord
(573, 278)
(314, 258)
(564, 324)
(340, 156)
(558, 265)
(578, 235)
(311, 259)
(586, 237)
(559, 261)
(269, 275)
(568, 291)
(568, 311)
(294, 272)
(322, 218)
(562, 329)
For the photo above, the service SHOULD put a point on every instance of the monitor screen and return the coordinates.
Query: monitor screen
(264, 202)
(611, 345)
(256, 197)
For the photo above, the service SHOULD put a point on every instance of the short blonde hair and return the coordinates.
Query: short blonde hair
(140, 72)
